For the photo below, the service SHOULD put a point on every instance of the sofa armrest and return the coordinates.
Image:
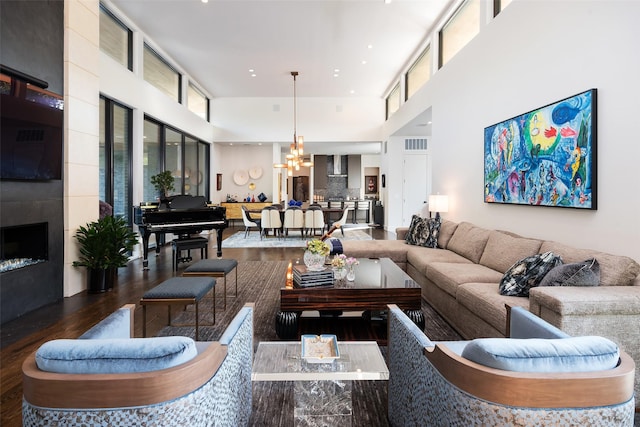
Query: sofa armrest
(401, 233)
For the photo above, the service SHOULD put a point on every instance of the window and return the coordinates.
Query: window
(152, 158)
(116, 40)
(197, 102)
(186, 157)
(419, 73)
(393, 101)
(115, 157)
(160, 74)
(459, 30)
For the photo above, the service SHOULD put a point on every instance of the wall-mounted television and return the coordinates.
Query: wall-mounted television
(31, 128)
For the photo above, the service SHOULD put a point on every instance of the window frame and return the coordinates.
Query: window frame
(129, 32)
(151, 50)
(423, 55)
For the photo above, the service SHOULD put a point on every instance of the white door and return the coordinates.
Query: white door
(414, 186)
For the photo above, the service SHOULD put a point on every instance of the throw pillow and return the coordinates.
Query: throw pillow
(585, 273)
(527, 273)
(423, 232)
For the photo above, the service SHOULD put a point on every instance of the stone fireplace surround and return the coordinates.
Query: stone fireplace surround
(25, 289)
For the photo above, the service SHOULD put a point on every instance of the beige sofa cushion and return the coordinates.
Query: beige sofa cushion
(448, 276)
(485, 301)
(420, 257)
(469, 241)
(615, 270)
(502, 250)
(447, 228)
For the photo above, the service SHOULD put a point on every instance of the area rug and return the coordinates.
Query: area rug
(294, 240)
(260, 282)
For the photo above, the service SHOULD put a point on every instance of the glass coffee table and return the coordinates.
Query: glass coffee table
(322, 391)
(378, 282)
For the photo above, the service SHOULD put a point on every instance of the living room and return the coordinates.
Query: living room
(530, 55)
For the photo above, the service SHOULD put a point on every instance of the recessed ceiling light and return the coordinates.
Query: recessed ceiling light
(364, 62)
(251, 70)
(352, 92)
(336, 75)
(204, 1)
(336, 70)
(370, 46)
(253, 75)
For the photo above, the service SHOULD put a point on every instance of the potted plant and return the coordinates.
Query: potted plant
(104, 246)
(163, 183)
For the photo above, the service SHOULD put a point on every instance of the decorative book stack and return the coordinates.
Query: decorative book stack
(305, 278)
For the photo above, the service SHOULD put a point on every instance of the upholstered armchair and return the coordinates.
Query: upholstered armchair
(108, 378)
(538, 376)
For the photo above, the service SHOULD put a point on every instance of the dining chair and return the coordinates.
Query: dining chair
(249, 222)
(293, 218)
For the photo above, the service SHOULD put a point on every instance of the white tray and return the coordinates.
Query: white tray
(320, 348)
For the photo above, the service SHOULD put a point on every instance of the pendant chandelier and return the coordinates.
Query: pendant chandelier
(295, 157)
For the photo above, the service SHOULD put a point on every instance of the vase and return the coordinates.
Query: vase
(339, 273)
(314, 262)
(351, 273)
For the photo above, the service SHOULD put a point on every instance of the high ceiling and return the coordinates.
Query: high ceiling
(218, 42)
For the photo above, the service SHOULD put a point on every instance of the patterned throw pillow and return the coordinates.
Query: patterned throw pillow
(423, 232)
(585, 273)
(527, 273)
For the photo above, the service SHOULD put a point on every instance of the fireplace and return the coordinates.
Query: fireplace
(23, 245)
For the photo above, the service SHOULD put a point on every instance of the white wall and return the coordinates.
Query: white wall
(245, 157)
(535, 53)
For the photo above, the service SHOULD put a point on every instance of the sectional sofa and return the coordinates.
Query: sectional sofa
(460, 280)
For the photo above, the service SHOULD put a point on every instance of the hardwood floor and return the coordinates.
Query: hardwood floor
(74, 315)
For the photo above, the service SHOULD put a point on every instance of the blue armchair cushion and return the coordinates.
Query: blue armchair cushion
(563, 355)
(111, 356)
(116, 325)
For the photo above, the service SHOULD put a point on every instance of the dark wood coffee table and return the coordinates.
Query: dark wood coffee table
(378, 282)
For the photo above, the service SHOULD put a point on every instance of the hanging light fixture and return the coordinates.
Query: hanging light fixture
(295, 157)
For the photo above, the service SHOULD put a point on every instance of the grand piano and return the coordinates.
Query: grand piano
(181, 215)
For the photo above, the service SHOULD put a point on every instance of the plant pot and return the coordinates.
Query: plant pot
(96, 280)
(110, 275)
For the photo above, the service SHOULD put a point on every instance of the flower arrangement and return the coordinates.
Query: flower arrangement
(351, 261)
(318, 247)
(339, 261)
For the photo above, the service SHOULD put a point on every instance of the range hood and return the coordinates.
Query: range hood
(339, 167)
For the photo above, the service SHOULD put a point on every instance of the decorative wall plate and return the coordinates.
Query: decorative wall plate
(252, 186)
(240, 177)
(255, 172)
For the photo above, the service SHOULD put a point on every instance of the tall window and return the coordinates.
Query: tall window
(160, 74)
(393, 101)
(186, 157)
(197, 102)
(116, 40)
(419, 73)
(459, 30)
(152, 158)
(115, 157)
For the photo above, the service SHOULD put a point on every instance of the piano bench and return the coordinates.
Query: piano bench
(179, 290)
(214, 268)
(186, 244)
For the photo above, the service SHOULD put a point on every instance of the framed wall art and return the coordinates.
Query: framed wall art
(546, 157)
(371, 184)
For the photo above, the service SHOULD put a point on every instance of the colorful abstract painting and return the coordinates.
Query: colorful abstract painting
(546, 157)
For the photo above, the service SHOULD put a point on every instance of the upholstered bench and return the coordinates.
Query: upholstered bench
(186, 244)
(214, 268)
(178, 290)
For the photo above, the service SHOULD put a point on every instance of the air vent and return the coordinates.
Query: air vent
(415, 144)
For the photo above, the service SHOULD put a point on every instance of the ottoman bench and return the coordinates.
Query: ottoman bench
(214, 268)
(178, 290)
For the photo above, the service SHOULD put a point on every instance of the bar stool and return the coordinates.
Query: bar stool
(214, 268)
